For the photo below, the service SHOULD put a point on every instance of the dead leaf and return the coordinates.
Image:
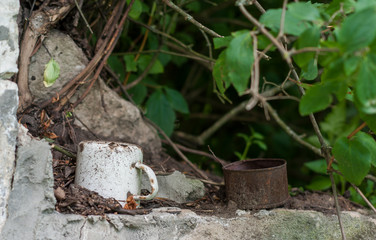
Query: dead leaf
(131, 203)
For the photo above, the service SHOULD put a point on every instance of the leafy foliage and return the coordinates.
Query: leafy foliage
(332, 46)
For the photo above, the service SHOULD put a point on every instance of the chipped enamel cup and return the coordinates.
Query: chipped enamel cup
(113, 170)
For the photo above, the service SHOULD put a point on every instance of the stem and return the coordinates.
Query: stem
(289, 131)
(357, 130)
(190, 19)
(253, 20)
(364, 197)
(143, 74)
(83, 16)
(198, 152)
(173, 145)
(63, 151)
(142, 43)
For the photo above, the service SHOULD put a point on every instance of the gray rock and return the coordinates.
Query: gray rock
(102, 111)
(66, 53)
(32, 190)
(8, 140)
(177, 187)
(117, 119)
(9, 38)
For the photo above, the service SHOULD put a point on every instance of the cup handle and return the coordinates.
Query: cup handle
(152, 179)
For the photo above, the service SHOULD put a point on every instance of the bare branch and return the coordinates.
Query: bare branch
(289, 131)
(282, 23)
(191, 19)
(311, 49)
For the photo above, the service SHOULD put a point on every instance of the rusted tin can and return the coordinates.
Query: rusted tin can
(257, 183)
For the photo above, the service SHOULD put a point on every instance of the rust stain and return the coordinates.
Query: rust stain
(81, 145)
(112, 145)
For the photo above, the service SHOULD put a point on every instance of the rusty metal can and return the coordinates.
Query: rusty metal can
(257, 183)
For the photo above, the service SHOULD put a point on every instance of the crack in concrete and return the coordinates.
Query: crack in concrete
(81, 229)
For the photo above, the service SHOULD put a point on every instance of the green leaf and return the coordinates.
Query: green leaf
(365, 87)
(51, 73)
(358, 30)
(304, 11)
(144, 61)
(238, 155)
(163, 57)
(244, 136)
(369, 188)
(222, 42)
(334, 6)
(261, 144)
(293, 25)
(319, 183)
(239, 60)
(257, 135)
(364, 4)
(335, 121)
(220, 72)
(136, 9)
(317, 166)
(370, 143)
(334, 77)
(130, 64)
(160, 112)
(309, 38)
(354, 158)
(313, 140)
(117, 66)
(334, 70)
(194, 6)
(326, 58)
(263, 42)
(176, 100)
(317, 98)
(370, 119)
(138, 93)
(351, 64)
(310, 71)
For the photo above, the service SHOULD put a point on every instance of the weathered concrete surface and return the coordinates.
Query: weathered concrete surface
(32, 189)
(103, 111)
(278, 224)
(177, 187)
(8, 140)
(8, 38)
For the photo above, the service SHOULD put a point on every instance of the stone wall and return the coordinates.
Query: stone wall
(8, 98)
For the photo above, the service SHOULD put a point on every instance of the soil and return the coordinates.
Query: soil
(77, 200)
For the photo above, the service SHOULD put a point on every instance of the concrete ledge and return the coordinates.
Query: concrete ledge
(276, 224)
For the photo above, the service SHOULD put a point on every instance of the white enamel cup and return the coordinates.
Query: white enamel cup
(113, 169)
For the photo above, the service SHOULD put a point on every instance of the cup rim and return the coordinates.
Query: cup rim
(104, 142)
(230, 167)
